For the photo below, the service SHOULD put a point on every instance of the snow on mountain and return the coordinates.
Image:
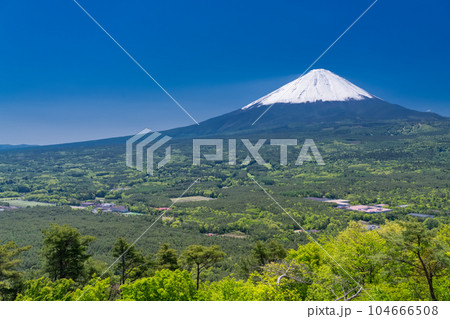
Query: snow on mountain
(317, 85)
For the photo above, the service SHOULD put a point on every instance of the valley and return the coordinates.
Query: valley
(382, 183)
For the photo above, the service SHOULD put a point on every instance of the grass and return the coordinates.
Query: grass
(191, 199)
(24, 203)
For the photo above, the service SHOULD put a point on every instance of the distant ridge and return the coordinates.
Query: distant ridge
(10, 147)
(320, 99)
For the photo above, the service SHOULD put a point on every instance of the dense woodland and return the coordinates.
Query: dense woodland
(401, 261)
(253, 252)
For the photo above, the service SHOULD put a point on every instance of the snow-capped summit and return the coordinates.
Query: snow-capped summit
(316, 86)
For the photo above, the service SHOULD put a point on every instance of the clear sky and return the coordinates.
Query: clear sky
(62, 79)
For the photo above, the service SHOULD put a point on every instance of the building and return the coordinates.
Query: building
(87, 204)
(110, 207)
(341, 203)
(345, 204)
(368, 225)
(162, 208)
(370, 209)
(119, 209)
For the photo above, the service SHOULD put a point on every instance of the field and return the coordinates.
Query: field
(190, 199)
(24, 203)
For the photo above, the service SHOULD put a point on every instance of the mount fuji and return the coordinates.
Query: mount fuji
(316, 86)
(316, 100)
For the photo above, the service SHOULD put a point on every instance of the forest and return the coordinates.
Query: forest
(402, 261)
(239, 244)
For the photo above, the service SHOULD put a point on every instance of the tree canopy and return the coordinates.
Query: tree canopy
(64, 252)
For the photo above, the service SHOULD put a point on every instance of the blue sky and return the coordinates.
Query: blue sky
(62, 79)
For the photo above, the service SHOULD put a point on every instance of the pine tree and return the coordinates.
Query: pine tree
(64, 252)
(8, 264)
(201, 258)
(129, 258)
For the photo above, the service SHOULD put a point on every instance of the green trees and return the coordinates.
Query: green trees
(166, 258)
(356, 250)
(228, 289)
(43, 289)
(417, 251)
(201, 258)
(260, 255)
(165, 285)
(399, 261)
(98, 290)
(265, 253)
(64, 251)
(270, 252)
(129, 258)
(9, 275)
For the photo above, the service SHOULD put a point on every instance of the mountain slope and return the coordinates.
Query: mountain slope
(318, 99)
